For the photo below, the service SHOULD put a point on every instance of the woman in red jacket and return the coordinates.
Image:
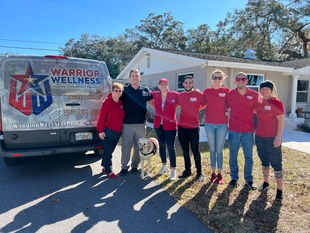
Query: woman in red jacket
(109, 126)
(165, 124)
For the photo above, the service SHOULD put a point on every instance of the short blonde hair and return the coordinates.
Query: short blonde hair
(117, 85)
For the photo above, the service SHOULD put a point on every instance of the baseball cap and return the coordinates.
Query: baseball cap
(163, 80)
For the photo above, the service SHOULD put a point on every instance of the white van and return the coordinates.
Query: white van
(50, 105)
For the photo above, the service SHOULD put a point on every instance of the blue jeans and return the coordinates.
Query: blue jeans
(247, 142)
(108, 145)
(190, 137)
(216, 134)
(166, 137)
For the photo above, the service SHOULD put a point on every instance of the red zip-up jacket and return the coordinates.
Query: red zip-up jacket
(167, 115)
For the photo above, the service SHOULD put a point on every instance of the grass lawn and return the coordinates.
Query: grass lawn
(224, 209)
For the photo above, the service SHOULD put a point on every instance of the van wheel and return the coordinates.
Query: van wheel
(10, 161)
(99, 153)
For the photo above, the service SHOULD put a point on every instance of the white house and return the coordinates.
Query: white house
(292, 78)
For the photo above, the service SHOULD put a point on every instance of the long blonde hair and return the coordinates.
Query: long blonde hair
(219, 71)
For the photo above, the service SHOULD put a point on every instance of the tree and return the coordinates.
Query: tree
(158, 31)
(275, 27)
(199, 40)
(295, 23)
(116, 52)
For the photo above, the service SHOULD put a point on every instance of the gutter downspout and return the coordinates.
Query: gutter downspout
(293, 98)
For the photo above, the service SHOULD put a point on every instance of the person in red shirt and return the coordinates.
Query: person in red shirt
(216, 122)
(190, 101)
(241, 103)
(268, 136)
(109, 126)
(165, 124)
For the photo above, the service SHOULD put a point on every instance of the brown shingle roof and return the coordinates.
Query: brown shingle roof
(297, 64)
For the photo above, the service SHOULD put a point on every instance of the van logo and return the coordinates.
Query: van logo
(34, 93)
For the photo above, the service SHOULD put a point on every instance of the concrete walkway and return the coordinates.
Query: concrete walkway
(294, 139)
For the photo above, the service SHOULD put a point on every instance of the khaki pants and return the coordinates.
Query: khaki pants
(131, 134)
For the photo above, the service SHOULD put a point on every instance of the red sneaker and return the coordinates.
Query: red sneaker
(213, 178)
(112, 175)
(220, 179)
(103, 171)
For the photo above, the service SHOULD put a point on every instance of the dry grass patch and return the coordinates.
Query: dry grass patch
(224, 209)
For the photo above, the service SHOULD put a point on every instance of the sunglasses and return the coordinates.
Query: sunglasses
(118, 91)
(241, 79)
(217, 77)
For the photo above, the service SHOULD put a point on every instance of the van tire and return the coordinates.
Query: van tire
(10, 161)
(99, 153)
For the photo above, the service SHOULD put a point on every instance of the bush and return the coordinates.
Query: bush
(304, 127)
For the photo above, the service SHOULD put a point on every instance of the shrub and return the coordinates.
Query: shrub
(304, 127)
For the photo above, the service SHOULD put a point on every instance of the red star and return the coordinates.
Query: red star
(29, 80)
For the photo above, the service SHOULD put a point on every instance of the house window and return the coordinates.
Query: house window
(302, 91)
(254, 81)
(180, 80)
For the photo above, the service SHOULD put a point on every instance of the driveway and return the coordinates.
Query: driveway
(67, 193)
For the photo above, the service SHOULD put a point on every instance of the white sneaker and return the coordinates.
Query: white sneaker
(173, 175)
(163, 169)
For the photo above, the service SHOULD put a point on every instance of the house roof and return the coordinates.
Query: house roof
(300, 66)
(296, 64)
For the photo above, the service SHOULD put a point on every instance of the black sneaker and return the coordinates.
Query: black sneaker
(279, 195)
(263, 187)
(200, 178)
(251, 185)
(134, 170)
(233, 184)
(185, 174)
(123, 172)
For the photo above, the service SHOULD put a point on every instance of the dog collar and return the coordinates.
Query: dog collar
(152, 151)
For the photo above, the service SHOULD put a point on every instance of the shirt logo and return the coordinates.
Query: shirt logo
(222, 94)
(249, 97)
(172, 101)
(193, 99)
(144, 93)
(267, 108)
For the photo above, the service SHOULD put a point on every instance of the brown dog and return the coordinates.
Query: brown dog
(147, 148)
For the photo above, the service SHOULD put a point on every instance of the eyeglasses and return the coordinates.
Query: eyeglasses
(118, 91)
(217, 77)
(241, 79)
(187, 83)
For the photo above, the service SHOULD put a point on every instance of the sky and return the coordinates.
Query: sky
(49, 24)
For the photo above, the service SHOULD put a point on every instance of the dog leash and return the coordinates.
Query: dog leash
(150, 133)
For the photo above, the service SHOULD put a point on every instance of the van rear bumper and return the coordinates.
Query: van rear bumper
(47, 150)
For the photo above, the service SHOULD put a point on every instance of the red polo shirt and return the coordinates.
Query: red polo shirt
(267, 122)
(241, 117)
(190, 103)
(216, 105)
